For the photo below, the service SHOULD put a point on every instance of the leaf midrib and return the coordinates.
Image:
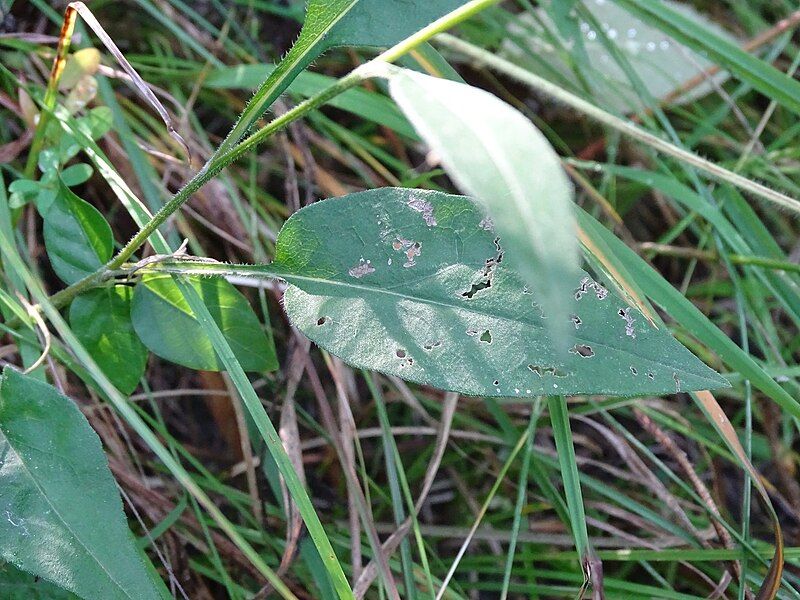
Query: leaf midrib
(431, 301)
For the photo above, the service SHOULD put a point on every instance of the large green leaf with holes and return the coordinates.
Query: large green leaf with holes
(332, 23)
(417, 284)
(494, 153)
(60, 512)
(166, 324)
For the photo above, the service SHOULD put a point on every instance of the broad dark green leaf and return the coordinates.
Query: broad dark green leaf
(332, 23)
(165, 323)
(60, 513)
(494, 153)
(101, 320)
(416, 284)
(77, 237)
(16, 584)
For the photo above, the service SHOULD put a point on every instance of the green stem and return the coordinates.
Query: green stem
(627, 128)
(219, 162)
(50, 95)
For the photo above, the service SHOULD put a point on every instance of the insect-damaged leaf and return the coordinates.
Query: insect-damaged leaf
(417, 284)
(332, 23)
(494, 153)
(60, 513)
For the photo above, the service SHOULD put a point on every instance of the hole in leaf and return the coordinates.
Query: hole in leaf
(477, 287)
(486, 337)
(499, 249)
(588, 284)
(634, 370)
(400, 353)
(582, 350)
(677, 382)
(486, 274)
(431, 345)
(322, 320)
(651, 376)
(576, 320)
(625, 313)
(496, 382)
(541, 371)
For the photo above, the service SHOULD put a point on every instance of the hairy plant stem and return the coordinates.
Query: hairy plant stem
(626, 128)
(373, 68)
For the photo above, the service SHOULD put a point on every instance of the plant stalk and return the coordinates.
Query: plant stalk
(217, 163)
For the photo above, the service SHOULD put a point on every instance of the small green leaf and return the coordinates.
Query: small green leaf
(48, 160)
(495, 154)
(76, 174)
(413, 283)
(77, 237)
(167, 326)
(60, 513)
(22, 191)
(101, 320)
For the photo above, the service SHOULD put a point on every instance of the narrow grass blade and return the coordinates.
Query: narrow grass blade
(559, 419)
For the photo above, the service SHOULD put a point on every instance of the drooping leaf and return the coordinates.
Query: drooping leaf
(661, 63)
(166, 325)
(495, 154)
(332, 23)
(414, 284)
(79, 64)
(61, 513)
(77, 237)
(101, 320)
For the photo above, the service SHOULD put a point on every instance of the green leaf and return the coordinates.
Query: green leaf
(565, 449)
(76, 174)
(412, 283)
(495, 154)
(60, 513)
(332, 23)
(77, 237)
(167, 326)
(16, 584)
(101, 319)
(661, 292)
